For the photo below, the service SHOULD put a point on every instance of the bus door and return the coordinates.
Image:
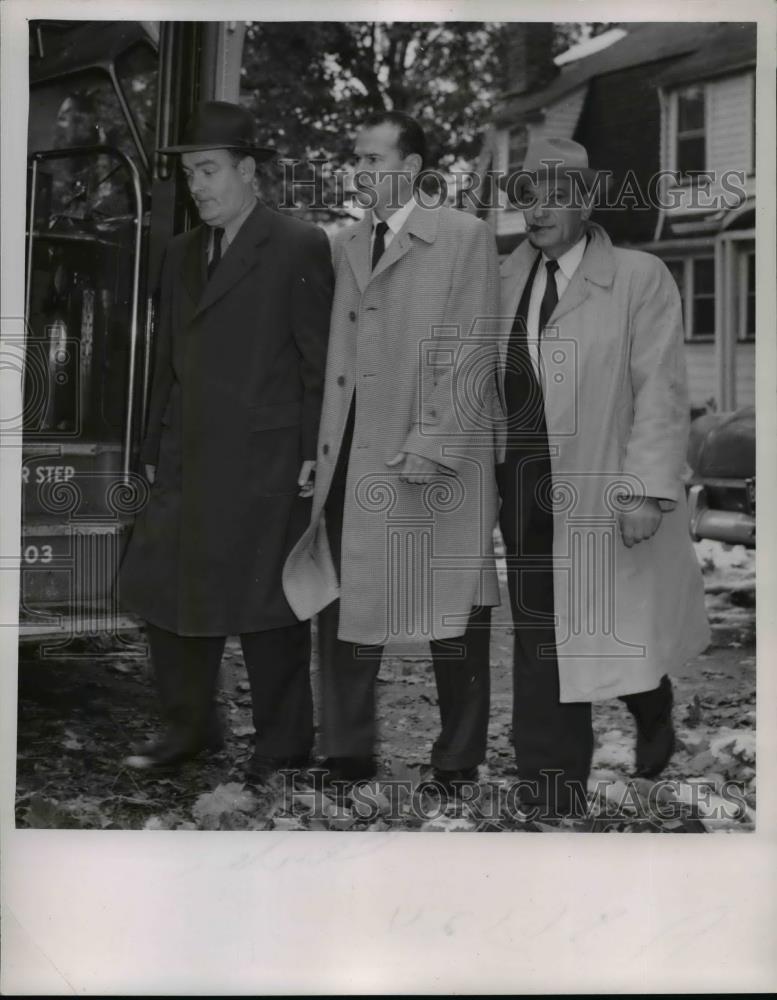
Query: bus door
(88, 334)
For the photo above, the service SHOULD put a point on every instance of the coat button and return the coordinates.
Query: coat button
(432, 413)
(352, 316)
(325, 449)
(341, 380)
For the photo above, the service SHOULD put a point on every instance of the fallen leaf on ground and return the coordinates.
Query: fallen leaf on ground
(243, 731)
(227, 798)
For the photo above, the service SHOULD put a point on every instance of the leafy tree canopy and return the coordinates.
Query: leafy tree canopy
(310, 83)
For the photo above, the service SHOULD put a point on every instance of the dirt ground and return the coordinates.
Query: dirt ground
(77, 717)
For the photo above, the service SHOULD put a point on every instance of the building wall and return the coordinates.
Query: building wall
(620, 126)
(746, 374)
(559, 120)
(702, 378)
(700, 363)
(729, 145)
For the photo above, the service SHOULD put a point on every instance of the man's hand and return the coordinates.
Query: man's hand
(151, 473)
(640, 524)
(307, 478)
(414, 468)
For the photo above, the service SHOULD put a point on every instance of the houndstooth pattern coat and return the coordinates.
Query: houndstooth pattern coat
(411, 339)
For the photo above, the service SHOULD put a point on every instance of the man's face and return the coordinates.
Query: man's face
(554, 220)
(74, 128)
(220, 188)
(377, 152)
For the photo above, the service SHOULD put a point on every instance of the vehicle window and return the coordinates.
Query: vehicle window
(81, 110)
(77, 110)
(80, 278)
(137, 70)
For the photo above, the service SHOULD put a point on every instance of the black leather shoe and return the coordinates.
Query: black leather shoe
(652, 711)
(450, 781)
(159, 754)
(654, 752)
(348, 768)
(262, 768)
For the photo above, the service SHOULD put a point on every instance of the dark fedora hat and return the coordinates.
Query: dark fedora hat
(221, 125)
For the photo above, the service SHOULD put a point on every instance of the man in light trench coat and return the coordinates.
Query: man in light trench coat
(400, 544)
(605, 589)
(230, 445)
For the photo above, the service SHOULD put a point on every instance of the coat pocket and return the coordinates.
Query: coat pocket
(275, 446)
(273, 416)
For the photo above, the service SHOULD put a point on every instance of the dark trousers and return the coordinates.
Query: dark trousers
(348, 677)
(349, 671)
(553, 740)
(278, 664)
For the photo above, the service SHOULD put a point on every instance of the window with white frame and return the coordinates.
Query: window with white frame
(691, 138)
(746, 295)
(517, 144)
(752, 124)
(695, 277)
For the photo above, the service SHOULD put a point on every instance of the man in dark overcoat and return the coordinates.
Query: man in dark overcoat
(230, 449)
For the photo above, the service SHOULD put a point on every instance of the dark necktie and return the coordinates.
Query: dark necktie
(522, 391)
(550, 298)
(215, 257)
(379, 244)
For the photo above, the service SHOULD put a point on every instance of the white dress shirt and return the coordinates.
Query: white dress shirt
(568, 263)
(395, 222)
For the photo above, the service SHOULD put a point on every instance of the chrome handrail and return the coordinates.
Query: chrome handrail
(78, 151)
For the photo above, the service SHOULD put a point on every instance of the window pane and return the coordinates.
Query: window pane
(690, 109)
(137, 72)
(704, 276)
(82, 110)
(703, 317)
(676, 269)
(78, 111)
(750, 319)
(690, 154)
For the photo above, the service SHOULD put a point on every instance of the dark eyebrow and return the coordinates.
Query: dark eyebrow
(202, 163)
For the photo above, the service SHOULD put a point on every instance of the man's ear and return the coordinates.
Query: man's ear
(414, 163)
(247, 168)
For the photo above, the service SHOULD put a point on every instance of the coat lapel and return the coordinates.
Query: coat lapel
(195, 263)
(514, 273)
(423, 223)
(597, 267)
(240, 257)
(357, 250)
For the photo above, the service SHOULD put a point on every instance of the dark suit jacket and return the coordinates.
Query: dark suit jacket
(233, 413)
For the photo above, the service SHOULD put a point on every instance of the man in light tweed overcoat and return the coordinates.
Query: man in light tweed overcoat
(400, 542)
